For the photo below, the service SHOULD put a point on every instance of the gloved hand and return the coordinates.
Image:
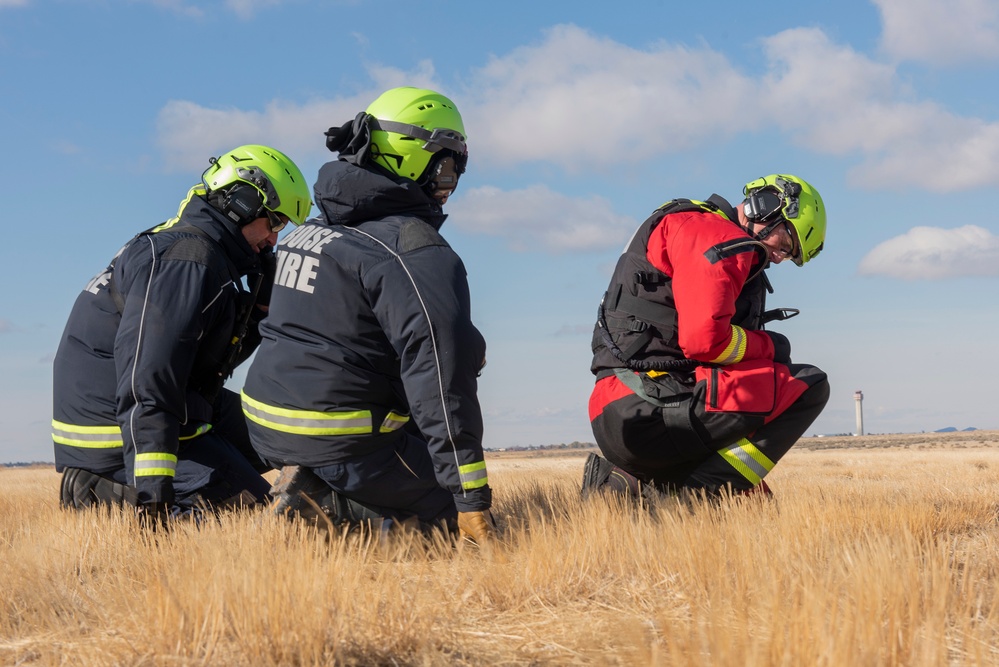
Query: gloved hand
(478, 527)
(782, 347)
(153, 516)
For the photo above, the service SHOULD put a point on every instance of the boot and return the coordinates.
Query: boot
(600, 474)
(81, 489)
(300, 493)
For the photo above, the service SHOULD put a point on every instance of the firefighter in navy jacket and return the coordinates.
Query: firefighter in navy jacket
(364, 389)
(139, 410)
(692, 394)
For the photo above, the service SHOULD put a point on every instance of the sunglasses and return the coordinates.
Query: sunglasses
(276, 221)
(787, 245)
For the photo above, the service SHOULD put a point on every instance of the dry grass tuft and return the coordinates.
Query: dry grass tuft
(867, 556)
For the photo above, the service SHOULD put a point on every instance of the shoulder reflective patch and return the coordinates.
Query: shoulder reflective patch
(416, 234)
(189, 249)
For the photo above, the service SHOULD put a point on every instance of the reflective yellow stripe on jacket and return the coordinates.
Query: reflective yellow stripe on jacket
(155, 463)
(88, 437)
(745, 457)
(100, 437)
(473, 475)
(312, 422)
(736, 349)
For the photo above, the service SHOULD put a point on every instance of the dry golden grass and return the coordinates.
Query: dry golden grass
(869, 556)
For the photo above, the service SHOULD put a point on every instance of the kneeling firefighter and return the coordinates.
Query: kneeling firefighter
(140, 415)
(692, 394)
(364, 390)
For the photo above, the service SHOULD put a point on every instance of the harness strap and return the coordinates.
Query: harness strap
(633, 381)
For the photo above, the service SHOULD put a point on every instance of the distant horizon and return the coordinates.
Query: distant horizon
(576, 444)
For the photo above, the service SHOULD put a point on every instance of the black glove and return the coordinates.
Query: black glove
(268, 269)
(782, 347)
(153, 516)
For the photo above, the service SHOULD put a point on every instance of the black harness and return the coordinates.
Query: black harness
(637, 320)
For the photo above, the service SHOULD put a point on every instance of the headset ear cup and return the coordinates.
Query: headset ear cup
(242, 203)
(752, 208)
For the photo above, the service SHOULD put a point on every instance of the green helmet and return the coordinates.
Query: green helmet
(409, 125)
(270, 182)
(781, 197)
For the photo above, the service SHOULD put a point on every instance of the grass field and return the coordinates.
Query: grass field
(875, 551)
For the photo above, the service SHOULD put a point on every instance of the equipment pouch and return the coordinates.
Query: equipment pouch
(748, 387)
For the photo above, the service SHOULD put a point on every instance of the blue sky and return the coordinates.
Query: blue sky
(582, 118)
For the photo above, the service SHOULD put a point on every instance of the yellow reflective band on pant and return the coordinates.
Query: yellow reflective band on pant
(158, 463)
(393, 422)
(204, 428)
(87, 437)
(306, 422)
(748, 460)
(473, 475)
(736, 349)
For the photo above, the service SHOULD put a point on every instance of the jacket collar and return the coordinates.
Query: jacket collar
(348, 195)
(197, 212)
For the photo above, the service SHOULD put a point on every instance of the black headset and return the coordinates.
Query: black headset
(242, 203)
(762, 204)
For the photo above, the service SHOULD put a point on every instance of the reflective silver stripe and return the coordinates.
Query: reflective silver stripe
(748, 460)
(393, 421)
(307, 422)
(736, 349)
(89, 437)
(473, 475)
(159, 463)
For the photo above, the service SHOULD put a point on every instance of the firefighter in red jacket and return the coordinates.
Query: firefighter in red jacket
(692, 394)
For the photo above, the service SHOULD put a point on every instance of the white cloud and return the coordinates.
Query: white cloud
(537, 216)
(938, 32)
(584, 102)
(836, 101)
(189, 133)
(6, 326)
(932, 253)
(13, 3)
(579, 100)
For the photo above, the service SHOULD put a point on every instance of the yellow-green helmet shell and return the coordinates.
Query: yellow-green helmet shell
(271, 172)
(409, 125)
(801, 205)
